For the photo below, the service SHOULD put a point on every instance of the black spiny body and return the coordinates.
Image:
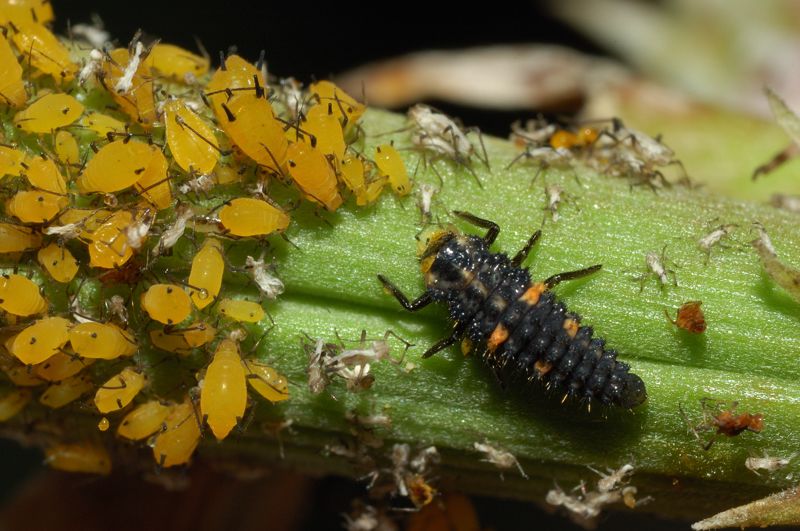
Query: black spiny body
(517, 326)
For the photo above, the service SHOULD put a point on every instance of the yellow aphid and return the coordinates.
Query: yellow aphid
(237, 95)
(49, 112)
(59, 262)
(66, 148)
(226, 174)
(102, 124)
(198, 333)
(170, 342)
(372, 192)
(323, 124)
(143, 421)
(103, 424)
(43, 174)
(175, 445)
(59, 394)
(108, 244)
(312, 173)
(61, 366)
(104, 341)
(266, 381)
(246, 216)
(223, 397)
(154, 182)
(139, 102)
(44, 51)
(12, 88)
(241, 310)
(171, 61)
(11, 159)
(351, 173)
(35, 206)
(20, 296)
(346, 108)
(119, 391)
(116, 166)
(166, 303)
(22, 376)
(191, 141)
(390, 164)
(85, 457)
(41, 340)
(12, 403)
(205, 277)
(22, 11)
(16, 238)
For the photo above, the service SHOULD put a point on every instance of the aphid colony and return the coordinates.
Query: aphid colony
(608, 147)
(106, 171)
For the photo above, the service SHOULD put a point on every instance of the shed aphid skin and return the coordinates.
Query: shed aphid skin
(426, 193)
(656, 268)
(690, 317)
(268, 284)
(767, 463)
(515, 325)
(785, 276)
(440, 135)
(714, 238)
(584, 508)
(174, 231)
(502, 459)
(317, 352)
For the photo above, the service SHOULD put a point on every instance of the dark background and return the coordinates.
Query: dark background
(313, 42)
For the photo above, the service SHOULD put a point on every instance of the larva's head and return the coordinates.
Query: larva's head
(632, 392)
(430, 240)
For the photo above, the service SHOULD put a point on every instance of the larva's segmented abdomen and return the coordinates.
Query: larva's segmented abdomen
(521, 331)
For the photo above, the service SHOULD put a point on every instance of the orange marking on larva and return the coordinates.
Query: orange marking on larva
(542, 367)
(466, 346)
(499, 335)
(426, 263)
(571, 326)
(533, 293)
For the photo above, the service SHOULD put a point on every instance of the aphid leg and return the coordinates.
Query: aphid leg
(411, 306)
(554, 280)
(523, 253)
(493, 228)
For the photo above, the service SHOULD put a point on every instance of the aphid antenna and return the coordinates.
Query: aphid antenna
(181, 122)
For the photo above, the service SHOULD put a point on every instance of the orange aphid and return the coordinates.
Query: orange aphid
(66, 148)
(176, 443)
(12, 88)
(246, 216)
(119, 391)
(102, 124)
(108, 244)
(85, 457)
(43, 174)
(41, 340)
(322, 123)
(104, 341)
(59, 394)
(43, 50)
(35, 206)
(61, 366)
(59, 262)
(241, 310)
(22, 11)
(313, 174)
(154, 182)
(237, 95)
(13, 402)
(191, 141)
(690, 317)
(116, 166)
(347, 109)
(223, 398)
(205, 277)
(16, 238)
(11, 159)
(49, 112)
(388, 161)
(166, 303)
(20, 296)
(174, 62)
(144, 421)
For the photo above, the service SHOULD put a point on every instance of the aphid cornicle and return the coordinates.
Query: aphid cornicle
(515, 325)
